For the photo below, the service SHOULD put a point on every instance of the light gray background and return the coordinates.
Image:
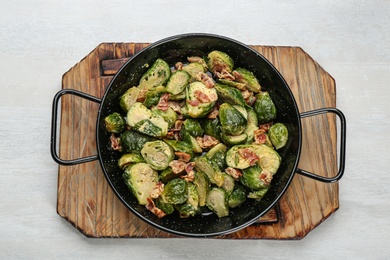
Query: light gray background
(41, 40)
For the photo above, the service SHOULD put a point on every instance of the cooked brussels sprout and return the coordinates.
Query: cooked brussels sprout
(230, 95)
(219, 61)
(269, 159)
(248, 79)
(258, 194)
(167, 175)
(164, 206)
(228, 183)
(192, 141)
(145, 121)
(234, 84)
(242, 110)
(265, 108)
(129, 98)
(194, 68)
(115, 123)
(157, 154)
(251, 178)
(234, 158)
(217, 202)
(234, 139)
(152, 97)
(193, 196)
(237, 197)
(178, 82)
(252, 117)
(249, 131)
(192, 127)
(232, 121)
(168, 115)
(178, 97)
(278, 134)
(129, 158)
(187, 210)
(175, 192)
(217, 154)
(156, 75)
(208, 96)
(132, 141)
(141, 179)
(210, 168)
(202, 185)
(212, 127)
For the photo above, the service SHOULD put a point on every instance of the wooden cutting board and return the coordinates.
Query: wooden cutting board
(86, 200)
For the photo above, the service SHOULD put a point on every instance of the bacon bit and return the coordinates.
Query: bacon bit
(202, 97)
(179, 65)
(182, 156)
(194, 102)
(260, 136)
(163, 102)
(224, 74)
(142, 95)
(214, 113)
(235, 173)
(194, 59)
(152, 208)
(177, 126)
(206, 79)
(213, 97)
(238, 76)
(115, 144)
(266, 177)
(207, 141)
(246, 94)
(190, 176)
(156, 191)
(175, 106)
(177, 166)
(251, 100)
(266, 126)
(249, 155)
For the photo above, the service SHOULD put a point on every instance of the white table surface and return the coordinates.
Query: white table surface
(41, 40)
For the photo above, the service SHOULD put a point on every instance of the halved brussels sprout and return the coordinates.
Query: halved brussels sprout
(248, 79)
(230, 95)
(187, 210)
(132, 141)
(167, 175)
(193, 196)
(210, 168)
(232, 121)
(234, 84)
(237, 197)
(168, 115)
(278, 134)
(242, 110)
(264, 108)
(251, 178)
(269, 159)
(235, 160)
(115, 123)
(252, 117)
(152, 97)
(217, 154)
(129, 98)
(234, 139)
(157, 75)
(145, 121)
(178, 97)
(129, 158)
(258, 194)
(192, 141)
(178, 82)
(202, 185)
(180, 146)
(193, 68)
(217, 202)
(141, 179)
(192, 127)
(212, 127)
(219, 61)
(196, 108)
(164, 206)
(228, 183)
(249, 131)
(158, 154)
(175, 192)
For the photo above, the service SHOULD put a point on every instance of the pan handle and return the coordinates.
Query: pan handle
(53, 142)
(342, 145)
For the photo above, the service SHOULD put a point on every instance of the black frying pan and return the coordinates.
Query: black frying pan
(178, 48)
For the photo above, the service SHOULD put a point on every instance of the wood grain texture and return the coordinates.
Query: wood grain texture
(86, 200)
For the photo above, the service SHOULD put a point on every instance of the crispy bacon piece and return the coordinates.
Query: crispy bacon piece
(238, 76)
(152, 208)
(194, 59)
(115, 143)
(141, 96)
(179, 65)
(202, 97)
(194, 102)
(249, 155)
(224, 74)
(207, 141)
(177, 166)
(206, 79)
(214, 113)
(246, 94)
(177, 126)
(259, 135)
(190, 176)
(251, 100)
(163, 102)
(235, 173)
(182, 156)
(266, 177)
(156, 191)
(266, 126)
(175, 106)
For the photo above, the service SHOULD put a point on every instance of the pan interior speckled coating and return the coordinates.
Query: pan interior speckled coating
(178, 48)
